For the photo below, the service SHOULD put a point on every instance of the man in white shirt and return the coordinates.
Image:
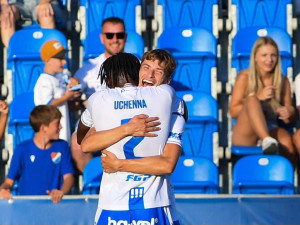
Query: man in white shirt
(113, 37)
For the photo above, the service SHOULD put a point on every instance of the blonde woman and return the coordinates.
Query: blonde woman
(261, 99)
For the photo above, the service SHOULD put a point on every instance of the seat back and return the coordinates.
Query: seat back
(183, 13)
(19, 113)
(95, 11)
(202, 124)
(251, 13)
(262, 174)
(93, 46)
(195, 51)
(195, 175)
(92, 175)
(24, 59)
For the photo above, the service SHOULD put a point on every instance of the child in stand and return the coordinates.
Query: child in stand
(41, 165)
(51, 88)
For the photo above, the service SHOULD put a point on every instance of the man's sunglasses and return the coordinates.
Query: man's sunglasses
(120, 35)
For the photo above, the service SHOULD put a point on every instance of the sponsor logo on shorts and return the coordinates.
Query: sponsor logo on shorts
(153, 221)
(138, 177)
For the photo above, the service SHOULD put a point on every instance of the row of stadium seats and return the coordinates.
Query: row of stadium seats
(189, 31)
(255, 174)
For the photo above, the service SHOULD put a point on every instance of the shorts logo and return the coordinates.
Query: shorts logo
(56, 157)
(153, 221)
(138, 177)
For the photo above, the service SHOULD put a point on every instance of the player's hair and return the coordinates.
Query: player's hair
(43, 114)
(120, 69)
(113, 20)
(165, 59)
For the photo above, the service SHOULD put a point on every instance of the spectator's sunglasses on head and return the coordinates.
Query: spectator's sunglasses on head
(120, 35)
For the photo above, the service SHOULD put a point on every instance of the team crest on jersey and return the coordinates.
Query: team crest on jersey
(56, 157)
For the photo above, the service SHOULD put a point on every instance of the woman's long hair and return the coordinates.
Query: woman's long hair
(255, 84)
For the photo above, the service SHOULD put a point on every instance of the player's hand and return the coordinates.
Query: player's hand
(109, 161)
(7, 17)
(141, 126)
(56, 195)
(266, 93)
(5, 193)
(4, 107)
(44, 9)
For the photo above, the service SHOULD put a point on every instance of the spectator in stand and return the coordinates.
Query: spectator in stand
(41, 165)
(52, 88)
(45, 12)
(3, 118)
(113, 37)
(261, 101)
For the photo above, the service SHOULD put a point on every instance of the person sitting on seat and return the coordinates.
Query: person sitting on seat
(261, 101)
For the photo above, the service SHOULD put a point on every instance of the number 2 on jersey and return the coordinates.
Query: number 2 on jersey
(131, 144)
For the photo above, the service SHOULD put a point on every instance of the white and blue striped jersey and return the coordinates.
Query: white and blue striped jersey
(109, 109)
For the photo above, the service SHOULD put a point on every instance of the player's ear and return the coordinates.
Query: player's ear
(169, 80)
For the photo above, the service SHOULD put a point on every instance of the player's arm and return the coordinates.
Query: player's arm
(139, 125)
(164, 164)
(154, 165)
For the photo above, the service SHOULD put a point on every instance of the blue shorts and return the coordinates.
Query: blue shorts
(153, 216)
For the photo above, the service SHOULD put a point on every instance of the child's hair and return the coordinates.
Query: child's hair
(120, 69)
(43, 114)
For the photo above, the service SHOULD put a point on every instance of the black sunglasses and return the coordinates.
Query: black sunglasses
(120, 35)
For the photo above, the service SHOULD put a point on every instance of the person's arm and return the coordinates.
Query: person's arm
(164, 163)
(154, 165)
(3, 118)
(139, 125)
(237, 96)
(287, 111)
(57, 195)
(5, 188)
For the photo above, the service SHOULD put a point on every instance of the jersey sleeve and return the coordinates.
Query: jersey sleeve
(86, 118)
(176, 129)
(43, 92)
(15, 164)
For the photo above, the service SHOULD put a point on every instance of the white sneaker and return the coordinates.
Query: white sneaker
(270, 146)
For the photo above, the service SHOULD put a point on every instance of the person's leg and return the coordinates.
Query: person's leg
(250, 124)
(9, 15)
(80, 158)
(287, 148)
(45, 16)
(296, 140)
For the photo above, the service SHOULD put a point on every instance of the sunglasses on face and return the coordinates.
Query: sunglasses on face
(120, 35)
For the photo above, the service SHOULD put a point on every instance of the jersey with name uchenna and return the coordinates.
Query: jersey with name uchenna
(109, 109)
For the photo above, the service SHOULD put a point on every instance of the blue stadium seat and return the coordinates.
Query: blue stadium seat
(93, 46)
(24, 60)
(202, 124)
(252, 13)
(195, 51)
(170, 14)
(92, 175)
(188, 13)
(19, 112)
(93, 12)
(195, 175)
(243, 42)
(261, 174)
